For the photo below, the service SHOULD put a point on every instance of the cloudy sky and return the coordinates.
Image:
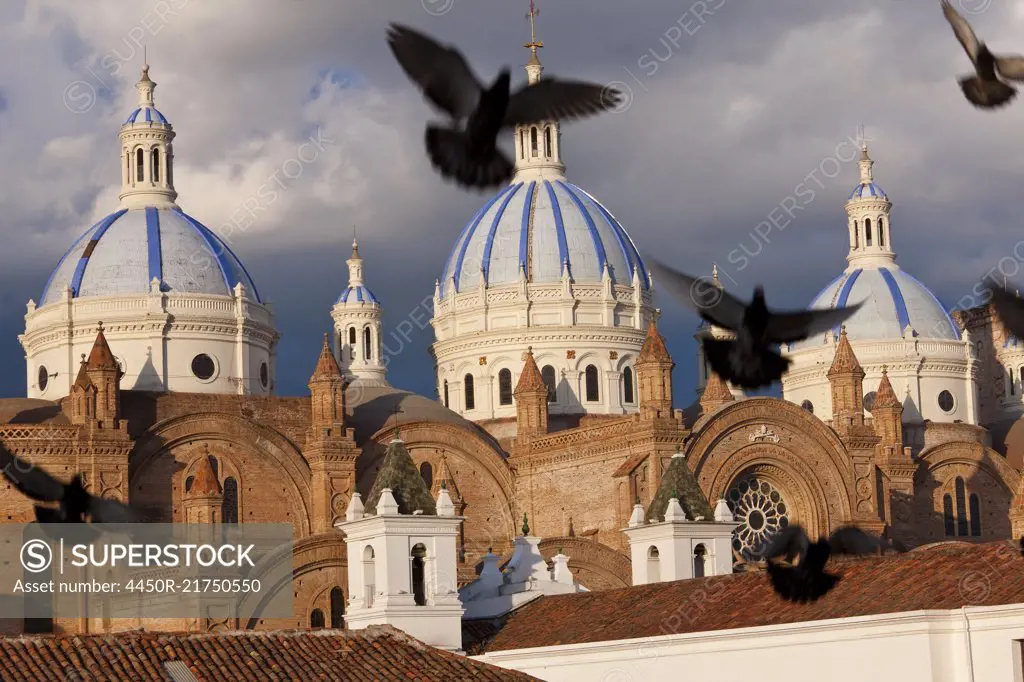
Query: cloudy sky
(732, 105)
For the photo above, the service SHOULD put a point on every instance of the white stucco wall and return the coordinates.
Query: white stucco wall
(975, 644)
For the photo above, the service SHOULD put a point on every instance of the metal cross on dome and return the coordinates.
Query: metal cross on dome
(531, 15)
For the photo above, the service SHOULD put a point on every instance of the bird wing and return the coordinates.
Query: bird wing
(963, 31)
(30, 479)
(787, 543)
(562, 100)
(1010, 67)
(110, 511)
(702, 295)
(797, 326)
(1010, 310)
(850, 540)
(440, 71)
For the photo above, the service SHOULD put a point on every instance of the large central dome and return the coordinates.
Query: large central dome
(537, 226)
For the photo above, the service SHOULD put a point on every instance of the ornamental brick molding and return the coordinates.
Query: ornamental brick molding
(764, 433)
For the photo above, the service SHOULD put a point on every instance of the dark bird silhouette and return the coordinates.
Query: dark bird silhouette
(984, 90)
(1010, 309)
(465, 150)
(805, 579)
(748, 362)
(76, 504)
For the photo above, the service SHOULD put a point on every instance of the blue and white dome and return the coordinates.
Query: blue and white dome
(892, 299)
(540, 225)
(124, 252)
(357, 294)
(867, 190)
(146, 114)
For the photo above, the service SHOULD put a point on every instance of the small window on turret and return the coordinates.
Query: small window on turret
(881, 231)
(139, 160)
(533, 141)
(547, 142)
(867, 232)
(156, 165)
(856, 234)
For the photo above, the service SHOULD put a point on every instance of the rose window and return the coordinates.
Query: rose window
(761, 512)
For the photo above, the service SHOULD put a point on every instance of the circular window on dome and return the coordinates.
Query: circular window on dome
(869, 401)
(264, 375)
(808, 405)
(44, 378)
(203, 367)
(946, 402)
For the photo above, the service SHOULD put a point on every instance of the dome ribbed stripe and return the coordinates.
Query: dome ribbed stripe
(49, 281)
(213, 250)
(602, 257)
(224, 248)
(949, 319)
(624, 239)
(844, 294)
(485, 261)
(76, 280)
(469, 235)
(897, 298)
(156, 270)
(563, 246)
(524, 234)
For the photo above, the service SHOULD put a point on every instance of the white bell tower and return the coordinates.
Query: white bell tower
(147, 156)
(358, 347)
(868, 220)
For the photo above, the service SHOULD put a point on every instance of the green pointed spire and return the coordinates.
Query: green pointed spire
(637, 500)
(399, 473)
(444, 486)
(679, 482)
(526, 525)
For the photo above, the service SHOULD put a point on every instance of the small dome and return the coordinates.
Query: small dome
(122, 253)
(892, 300)
(357, 294)
(867, 190)
(542, 224)
(147, 114)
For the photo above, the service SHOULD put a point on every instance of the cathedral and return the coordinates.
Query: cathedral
(151, 368)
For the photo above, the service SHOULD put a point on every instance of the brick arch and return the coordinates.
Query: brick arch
(325, 554)
(489, 520)
(596, 566)
(176, 438)
(985, 473)
(808, 462)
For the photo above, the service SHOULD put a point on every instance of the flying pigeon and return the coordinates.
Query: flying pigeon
(748, 362)
(1010, 309)
(465, 150)
(806, 579)
(75, 502)
(985, 89)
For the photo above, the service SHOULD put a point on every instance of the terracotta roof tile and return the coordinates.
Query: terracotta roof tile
(654, 349)
(101, 357)
(530, 379)
(326, 366)
(927, 578)
(845, 361)
(205, 482)
(376, 653)
(886, 396)
(716, 393)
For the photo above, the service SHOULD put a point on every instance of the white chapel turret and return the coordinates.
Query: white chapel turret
(357, 328)
(147, 157)
(868, 211)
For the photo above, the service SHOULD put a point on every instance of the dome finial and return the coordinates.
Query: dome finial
(533, 73)
(714, 273)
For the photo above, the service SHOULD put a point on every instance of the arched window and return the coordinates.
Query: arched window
(446, 393)
(947, 515)
(533, 141)
(591, 379)
(808, 405)
(522, 144)
(229, 507)
(139, 160)
(699, 556)
(366, 344)
(188, 483)
(856, 234)
(867, 232)
(352, 336)
(548, 374)
(881, 231)
(961, 507)
(369, 576)
(975, 516)
(547, 142)
(128, 166)
(505, 387)
(467, 387)
(156, 165)
(419, 554)
(427, 473)
(337, 608)
(316, 619)
(1013, 388)
(627, 385)
(653, 565)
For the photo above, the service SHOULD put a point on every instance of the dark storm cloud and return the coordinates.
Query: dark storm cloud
(737, 109)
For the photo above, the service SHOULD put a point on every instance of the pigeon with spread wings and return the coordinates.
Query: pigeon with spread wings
(805, 579)
(465, 150)
(748, 362)
(75, 504)
(984, 89)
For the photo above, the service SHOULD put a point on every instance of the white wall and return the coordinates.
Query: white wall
(921, 646)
